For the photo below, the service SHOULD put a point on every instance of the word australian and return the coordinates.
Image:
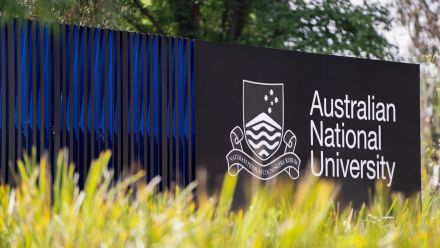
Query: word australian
(341, 137)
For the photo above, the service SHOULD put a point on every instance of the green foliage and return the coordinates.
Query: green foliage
(131, 213)
(330, 27)
(92, 13)
(333, 26)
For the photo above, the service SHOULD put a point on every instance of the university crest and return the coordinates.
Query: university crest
(263, 131)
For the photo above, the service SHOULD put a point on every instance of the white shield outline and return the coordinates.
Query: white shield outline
(282, 118)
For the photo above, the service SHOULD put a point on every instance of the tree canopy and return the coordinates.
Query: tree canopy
(333, 26)
(329, 26)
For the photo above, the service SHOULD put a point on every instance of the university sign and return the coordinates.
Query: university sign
(172, 106)
(279, 114)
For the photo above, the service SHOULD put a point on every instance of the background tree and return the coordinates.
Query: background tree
(94, 13)
(421, 19)
(331, 27)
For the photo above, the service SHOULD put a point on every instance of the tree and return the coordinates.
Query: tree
(422, 19)
(331, 27)
(94, 13)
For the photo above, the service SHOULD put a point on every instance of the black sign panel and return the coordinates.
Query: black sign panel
(262, 114)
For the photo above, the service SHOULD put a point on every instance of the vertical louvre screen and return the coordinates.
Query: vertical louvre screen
(91, 90)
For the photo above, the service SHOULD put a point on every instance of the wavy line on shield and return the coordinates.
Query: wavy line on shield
(263, 153)
(263, 133)
(261, 125)
(263, 143)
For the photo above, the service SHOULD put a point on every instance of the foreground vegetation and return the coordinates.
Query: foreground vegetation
(131, 213)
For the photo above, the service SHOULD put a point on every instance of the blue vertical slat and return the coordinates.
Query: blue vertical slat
(110, 91)
(23, 43)
(193, 116)
(89, 128)
(81, 125)
(67, 98)
(185, 113)
(148, 101)
(38, 87)
(135, 94)
(141, 96)
(75, 87)
(102, 87)
(156, 105)
(159, 103)
(180, 104)
(46, 86)
(52, 100)
(127, 85)
(29, 88)
(7, 114)
(16, 97)
(90, 108)
(169, 60)
(174, 106)
(96, 91)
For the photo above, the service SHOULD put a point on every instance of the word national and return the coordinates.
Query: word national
(345, 138)
(340, 136)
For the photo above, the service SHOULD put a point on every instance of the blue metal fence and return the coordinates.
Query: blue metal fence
(91, 89)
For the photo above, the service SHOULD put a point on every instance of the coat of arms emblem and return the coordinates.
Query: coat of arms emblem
(263, 125)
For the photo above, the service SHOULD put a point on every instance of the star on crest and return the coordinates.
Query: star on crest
(271, 99)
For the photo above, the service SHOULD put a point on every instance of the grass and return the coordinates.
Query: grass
(131, 213)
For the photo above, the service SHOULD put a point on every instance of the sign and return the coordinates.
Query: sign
(171, 106)
(262, 114)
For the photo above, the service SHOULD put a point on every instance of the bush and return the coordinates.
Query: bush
(130, 213)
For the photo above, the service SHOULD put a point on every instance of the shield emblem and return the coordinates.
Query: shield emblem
(263, 117)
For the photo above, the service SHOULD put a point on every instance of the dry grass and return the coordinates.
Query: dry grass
(104, 214)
